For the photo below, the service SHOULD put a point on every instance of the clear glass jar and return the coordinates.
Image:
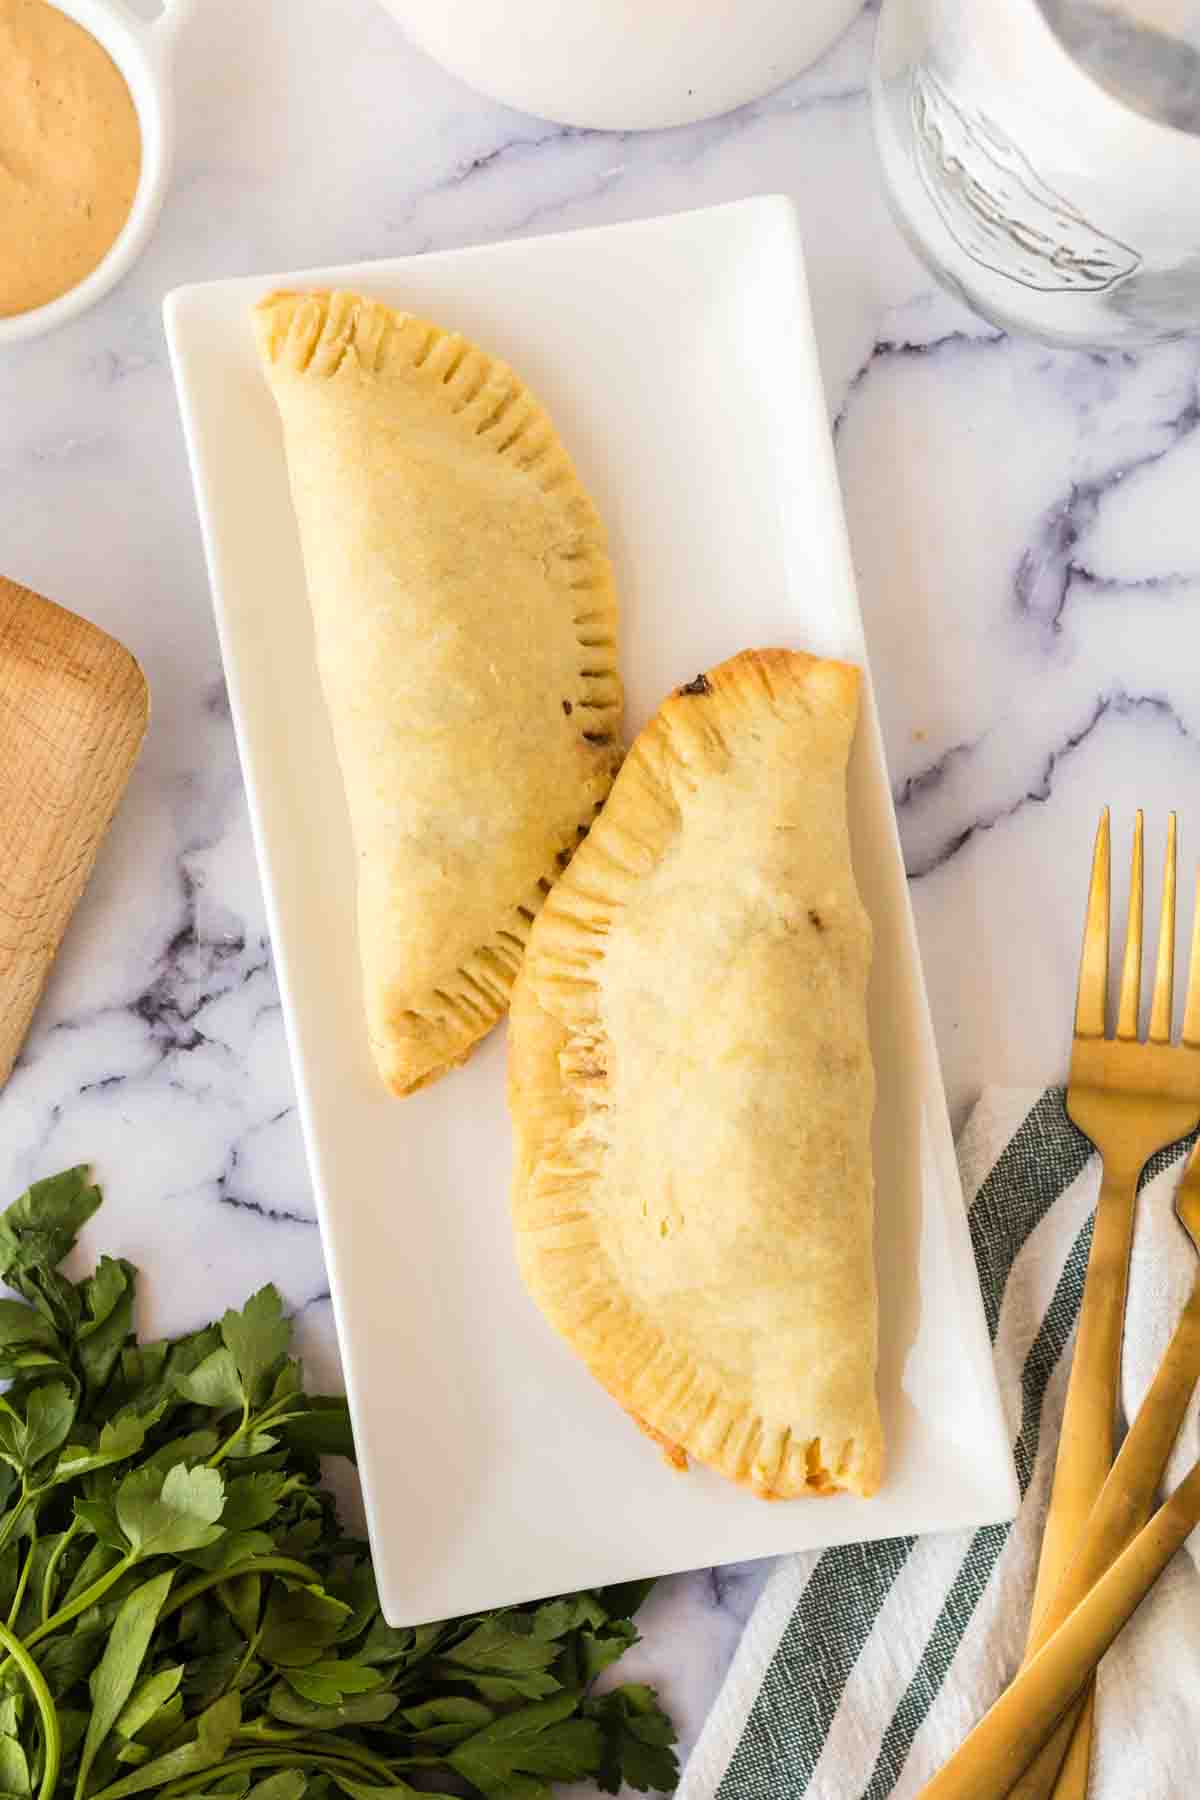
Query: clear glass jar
(1043, 157)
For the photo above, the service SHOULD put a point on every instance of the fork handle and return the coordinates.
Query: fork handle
(1125, 1503)
(1085, 1450)
(1022, 1719)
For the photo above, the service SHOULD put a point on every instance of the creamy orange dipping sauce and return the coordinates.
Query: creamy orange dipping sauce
(70, 154)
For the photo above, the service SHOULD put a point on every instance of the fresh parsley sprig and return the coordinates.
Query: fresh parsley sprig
(181, 1615)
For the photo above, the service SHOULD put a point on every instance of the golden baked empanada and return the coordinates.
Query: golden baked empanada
(691, 1087)
(466, 637)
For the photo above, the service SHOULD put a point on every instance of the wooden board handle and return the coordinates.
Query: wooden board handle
(74, 706)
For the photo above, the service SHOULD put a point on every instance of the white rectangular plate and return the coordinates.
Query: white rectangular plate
(677, 358)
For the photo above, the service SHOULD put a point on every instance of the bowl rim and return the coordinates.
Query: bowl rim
(140, 48)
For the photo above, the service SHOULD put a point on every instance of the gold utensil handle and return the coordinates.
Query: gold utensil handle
(1085, 1448)
(1040, 1778)
(1022, 1719)
(1125, 1503)
(1075, 1777)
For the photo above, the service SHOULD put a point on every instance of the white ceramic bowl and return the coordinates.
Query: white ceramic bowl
(625, 65)
(141, 50)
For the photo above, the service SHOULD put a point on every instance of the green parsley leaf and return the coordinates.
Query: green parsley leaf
(192, 1447)
(448, 1709)
(252, 1500)
(637, 1740)
(258, 1339)
(214, 1732)
(22, 1327)
(108, 1320)
(164, 1725)
(322, 1429)
(49, 1415)
(215, 1383)
(67, 1661)
(502, 1644)
(147, 1699)
(624, 1598)
(165, 1515)
(241, 1596)
(517, 1754)
(300, 1623)
(100, 1517)
(115, 1675)
(289, 1784)
(353, 1709)
(38, 1231)
(14, 1768)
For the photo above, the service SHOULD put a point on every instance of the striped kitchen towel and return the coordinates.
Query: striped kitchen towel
(863, 1667)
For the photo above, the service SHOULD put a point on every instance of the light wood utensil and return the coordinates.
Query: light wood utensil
(73, 712)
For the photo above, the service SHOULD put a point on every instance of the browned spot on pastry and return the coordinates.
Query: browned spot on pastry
(567, 708)
(817, 1474)
(814, 918)
(701, 685)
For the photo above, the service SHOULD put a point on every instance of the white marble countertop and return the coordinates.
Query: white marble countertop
(1024, 528)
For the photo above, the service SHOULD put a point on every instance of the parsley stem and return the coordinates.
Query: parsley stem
(261, 1565)
(81, 1602)
(14, 1516)
(262, 1759)
(52, 1565)
(64, 1616)
(51, 1740)
(316, 1743)
(251, 1423)
(244, 1660)
(218, 1456)
(23, 1583)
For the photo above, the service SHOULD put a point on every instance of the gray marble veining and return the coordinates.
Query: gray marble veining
(1025, 534)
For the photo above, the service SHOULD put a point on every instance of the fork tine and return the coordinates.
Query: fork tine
(1191, 1017)
(1164, 972)
(1131, 968)
(1092, 1001)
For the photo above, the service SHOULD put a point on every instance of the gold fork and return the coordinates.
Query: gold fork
(1130, 1097)
(1091, 1604)
(1127, 1498)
